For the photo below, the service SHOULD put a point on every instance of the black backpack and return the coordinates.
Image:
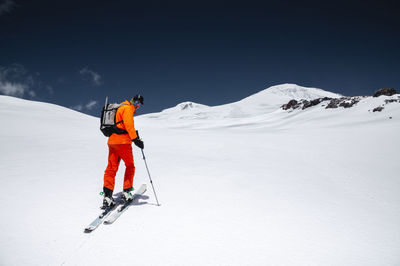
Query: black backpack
(108, 125)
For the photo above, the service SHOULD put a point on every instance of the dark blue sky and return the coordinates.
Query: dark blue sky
(74, 53)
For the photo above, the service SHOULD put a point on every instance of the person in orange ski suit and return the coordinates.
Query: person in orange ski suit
(120, 147)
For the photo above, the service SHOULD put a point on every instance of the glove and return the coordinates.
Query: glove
(138, 142)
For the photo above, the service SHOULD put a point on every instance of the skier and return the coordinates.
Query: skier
(120, 147)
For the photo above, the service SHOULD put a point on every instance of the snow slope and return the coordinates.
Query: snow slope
(256, 105)
(260, 186)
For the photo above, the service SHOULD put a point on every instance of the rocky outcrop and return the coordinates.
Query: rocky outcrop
(292, 104)
(392, 101)
(307, 104)
(334, 103)
(378, 109)
(345, 102)
(385, 91)
(349, 102)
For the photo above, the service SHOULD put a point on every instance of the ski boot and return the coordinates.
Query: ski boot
(127, 195)
(108, 200)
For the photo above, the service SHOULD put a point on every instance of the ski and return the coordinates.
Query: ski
(124, 206)
(104, 214)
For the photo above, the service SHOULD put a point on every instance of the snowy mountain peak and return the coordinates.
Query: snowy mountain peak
(189, 105)
(261, 103)
(185, 106)
(264, 109)
(294, 91)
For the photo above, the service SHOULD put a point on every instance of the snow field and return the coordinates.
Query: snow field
(312, 187)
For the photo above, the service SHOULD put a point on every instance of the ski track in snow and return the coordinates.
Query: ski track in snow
(256, 186)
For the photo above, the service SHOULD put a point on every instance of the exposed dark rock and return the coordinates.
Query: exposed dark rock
(345, 102)
(333, 103)
(392, 101)
(186, 106)
(385, 91)
(326, 99)
(292, 104)
(307, 104)
(378, 109)
(349, 102)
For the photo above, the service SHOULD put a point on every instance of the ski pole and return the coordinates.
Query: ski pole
(151, 181)
(147, 168)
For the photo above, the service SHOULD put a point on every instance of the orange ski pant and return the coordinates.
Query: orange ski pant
(116, 152)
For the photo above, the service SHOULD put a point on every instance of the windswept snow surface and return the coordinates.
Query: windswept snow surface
(312, 187)
(254, 107)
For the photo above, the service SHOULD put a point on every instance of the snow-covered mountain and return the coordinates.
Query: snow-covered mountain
(263, 109)
(185, 106)
(286, 92)
(261, 103)
(246, 183)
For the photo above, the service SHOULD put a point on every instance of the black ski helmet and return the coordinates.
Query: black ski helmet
(138, 98)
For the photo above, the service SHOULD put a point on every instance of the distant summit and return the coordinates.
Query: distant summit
(275, 106)
(268, 99)
(185, 106)
(298, 92)
(291, 91)
(261, 103)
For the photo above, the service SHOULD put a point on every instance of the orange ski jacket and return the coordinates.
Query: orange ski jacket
(124, 113)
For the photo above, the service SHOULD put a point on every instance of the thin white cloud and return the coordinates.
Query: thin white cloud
(13, 71)
(6, 6)
(12, 89)
(78, 107)
(14, 81)
(90, 105)
(95, 77)
(85, 107)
